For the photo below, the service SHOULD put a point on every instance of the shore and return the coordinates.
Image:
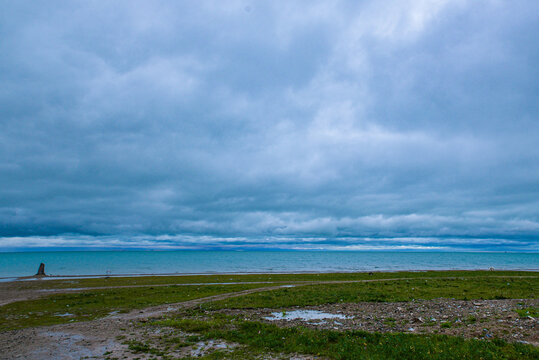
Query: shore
(90, 276)
(106, 317)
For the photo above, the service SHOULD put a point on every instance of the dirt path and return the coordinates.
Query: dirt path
(92, 339)
(10, 295)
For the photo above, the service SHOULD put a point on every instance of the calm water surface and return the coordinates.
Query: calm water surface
(204, 262)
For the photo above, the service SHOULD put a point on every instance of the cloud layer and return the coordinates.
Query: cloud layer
(327, 125)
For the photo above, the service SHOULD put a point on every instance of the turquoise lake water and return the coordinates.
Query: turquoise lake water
(204, 262)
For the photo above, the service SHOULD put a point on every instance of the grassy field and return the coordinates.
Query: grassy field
(263, 338)
(258, 338)
(50, 283)
(388, 291)
(88, 305)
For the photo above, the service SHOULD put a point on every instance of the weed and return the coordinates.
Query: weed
(386, 291)
(352, 344)
(98, 303)
(532, 311)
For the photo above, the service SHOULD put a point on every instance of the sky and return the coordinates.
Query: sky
(323, 125)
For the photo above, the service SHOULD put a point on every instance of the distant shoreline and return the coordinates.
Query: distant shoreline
(424, 251)
(93, 276)
(156, 263)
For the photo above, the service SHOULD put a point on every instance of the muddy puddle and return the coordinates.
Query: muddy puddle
(305, 315)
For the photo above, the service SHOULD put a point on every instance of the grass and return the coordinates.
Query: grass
(195, 279)
(532, 311)
(349, 344)
(140, 347)
(387, 291)
(261, 338)
(57, 309)
(389, 321)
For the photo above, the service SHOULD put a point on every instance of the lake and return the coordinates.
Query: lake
(13, 264)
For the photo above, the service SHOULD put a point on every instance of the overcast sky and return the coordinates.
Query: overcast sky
(270, 124)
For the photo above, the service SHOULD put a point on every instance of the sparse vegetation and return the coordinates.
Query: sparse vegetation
(210, 321)
(201, 279)
(349, 344)
(386, 291)
(531, 311)
(62, 308)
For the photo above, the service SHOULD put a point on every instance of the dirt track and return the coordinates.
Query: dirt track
(92, 338)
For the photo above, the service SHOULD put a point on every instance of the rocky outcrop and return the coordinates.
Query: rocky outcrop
(41, 270)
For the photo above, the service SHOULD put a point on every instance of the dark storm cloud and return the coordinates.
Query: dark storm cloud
(372, 125)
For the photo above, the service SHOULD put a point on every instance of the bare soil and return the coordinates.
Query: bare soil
(478, 319)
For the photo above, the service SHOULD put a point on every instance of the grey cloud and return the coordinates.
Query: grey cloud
(288, 122)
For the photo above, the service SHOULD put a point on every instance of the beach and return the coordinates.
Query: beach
(191, 316)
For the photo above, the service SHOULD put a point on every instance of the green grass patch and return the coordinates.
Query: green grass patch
(193, 279)
(350, 344)
(140, 347)
(57, 309)
(532, 311)
(387, 291)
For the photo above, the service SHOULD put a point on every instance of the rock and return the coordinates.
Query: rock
(41, 270)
